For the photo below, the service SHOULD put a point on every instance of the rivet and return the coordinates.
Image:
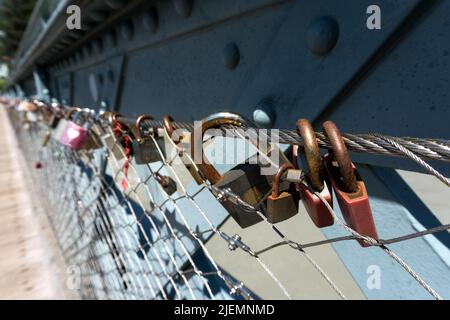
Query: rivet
(264, 115)
(150, 20)
(183, 7)
(231, 55)
(128, 30)
(322, 35)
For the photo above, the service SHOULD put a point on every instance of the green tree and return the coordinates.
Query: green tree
(2, 84)
(14, 15)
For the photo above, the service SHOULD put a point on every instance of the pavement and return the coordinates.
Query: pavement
(31, 266)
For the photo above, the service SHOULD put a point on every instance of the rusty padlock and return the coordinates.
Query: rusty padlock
(310, 160)
(93, 140)
(167, 183)
(180, 141)
(245, 179)
(54, 116)
(145, 149)
(348, 186)
(281, 205)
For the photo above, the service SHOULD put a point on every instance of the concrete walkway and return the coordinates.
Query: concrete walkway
(30, 263)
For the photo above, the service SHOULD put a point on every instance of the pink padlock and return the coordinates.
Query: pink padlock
(74, 136)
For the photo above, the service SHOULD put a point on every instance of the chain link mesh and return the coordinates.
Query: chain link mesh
(133, 237)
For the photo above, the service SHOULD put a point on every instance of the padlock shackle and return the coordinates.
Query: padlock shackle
(315, 170)
(170, 128)
(113, 119)
(28, 106)
(276, 180)
(43, 108)
(71, 111)
(167, 124)
(139, 123)
(41, 105)
(340, 153)
(215, 120)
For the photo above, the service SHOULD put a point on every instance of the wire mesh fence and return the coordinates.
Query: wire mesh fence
(125, 249)
(139, 231)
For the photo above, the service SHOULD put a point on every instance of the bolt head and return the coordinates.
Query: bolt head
(322, 35)
(264, 115)
(150, 20)
(231, 56)
(183, 7)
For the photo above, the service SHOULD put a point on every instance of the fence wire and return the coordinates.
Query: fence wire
(133, 237)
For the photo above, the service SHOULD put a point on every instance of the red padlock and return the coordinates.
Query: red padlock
(348, 186)
(309, 158)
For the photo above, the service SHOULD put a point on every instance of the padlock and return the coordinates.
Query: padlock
(281, 205)
(74, 135)
(93, 141)
(167, 183)
(108, 136)
(309, 158)
(183, 143)
(59, 129)
(57, 114)
(348, 186)
(31, 116)
(43, 110)
(27, 106)
(175, 153)
(53, 118)
(62, 123)
(145, 149)
(245, 180)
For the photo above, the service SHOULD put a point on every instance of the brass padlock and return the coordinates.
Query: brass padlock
(281, 205)
(181, 140)
(93, 140)
(167, 183)
(146, 149)
(245, 180)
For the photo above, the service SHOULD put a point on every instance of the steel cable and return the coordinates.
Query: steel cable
(433, 149)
